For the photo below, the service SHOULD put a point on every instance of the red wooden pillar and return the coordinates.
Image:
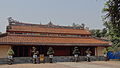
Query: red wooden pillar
(18, 53)
(96, 52)
(29, 51)
(23, 51)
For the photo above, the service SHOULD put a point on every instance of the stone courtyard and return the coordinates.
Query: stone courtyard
(94, 64)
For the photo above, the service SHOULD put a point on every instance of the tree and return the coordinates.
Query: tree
(96, 33)
(104, 32)
(50, 52)
(99, 33)
(112, 21)
(35, 54)
(10, 52)
(88, 52)
(76, 53)
(10, 56)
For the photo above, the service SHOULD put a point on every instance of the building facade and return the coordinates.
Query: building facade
(21, 37)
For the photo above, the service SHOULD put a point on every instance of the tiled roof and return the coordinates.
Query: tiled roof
(50, 40)
(47, 29)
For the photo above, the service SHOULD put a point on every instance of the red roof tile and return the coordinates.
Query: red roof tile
(50, 40)
(48, 29)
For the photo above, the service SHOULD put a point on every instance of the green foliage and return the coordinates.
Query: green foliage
(96, 33)
(34, 51)
(108, 49)
(99, 33)
(76, 51)
(105, 51)
(50, 51)
(112, 21)
(117, 47)
(10, 52)
(88, 51)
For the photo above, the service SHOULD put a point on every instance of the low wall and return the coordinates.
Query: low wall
(55, 59)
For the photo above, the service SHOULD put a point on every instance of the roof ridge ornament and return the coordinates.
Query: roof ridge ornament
(12, 21)
(50, 24)
(78, 26)
(82, 25)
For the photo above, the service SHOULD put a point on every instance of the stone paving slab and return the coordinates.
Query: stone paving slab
(95, 64)
(46, 65)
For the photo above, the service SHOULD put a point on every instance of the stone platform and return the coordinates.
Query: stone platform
(55, 59)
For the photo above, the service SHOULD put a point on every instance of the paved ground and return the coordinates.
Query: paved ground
(96, 64)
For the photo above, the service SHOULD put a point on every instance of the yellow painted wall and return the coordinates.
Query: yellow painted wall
(3, 50)
(99, 51)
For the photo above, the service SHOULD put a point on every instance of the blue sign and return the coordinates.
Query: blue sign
(112, 55)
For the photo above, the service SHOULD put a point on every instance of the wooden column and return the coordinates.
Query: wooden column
(29, 51)
(23, 51)
(96, 52)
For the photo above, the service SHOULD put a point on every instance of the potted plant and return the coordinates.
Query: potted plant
(50, 53)
(88, 52)
(35, 55)
(10, 56)
(76, 53)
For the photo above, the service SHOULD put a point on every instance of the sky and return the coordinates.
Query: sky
(59, 12)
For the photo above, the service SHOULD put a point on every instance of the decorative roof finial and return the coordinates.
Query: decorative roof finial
(83, 25)
(10, 19)
(50, 23)
(40, 23)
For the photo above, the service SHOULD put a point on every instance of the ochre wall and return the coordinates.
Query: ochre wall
(99, 51)
(3, 50)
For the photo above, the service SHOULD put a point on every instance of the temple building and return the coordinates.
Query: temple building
(21, 37)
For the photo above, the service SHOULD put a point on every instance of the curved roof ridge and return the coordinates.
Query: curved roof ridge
(47, 29)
